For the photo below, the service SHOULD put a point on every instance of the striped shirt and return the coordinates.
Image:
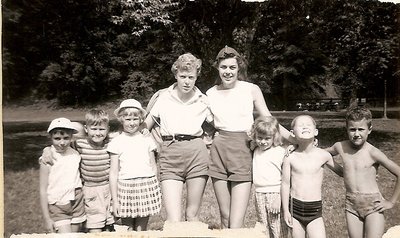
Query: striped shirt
(95, 163)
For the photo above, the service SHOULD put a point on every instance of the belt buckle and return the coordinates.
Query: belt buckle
(179, 137)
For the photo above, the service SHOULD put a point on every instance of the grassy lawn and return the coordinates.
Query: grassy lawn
(23, 144)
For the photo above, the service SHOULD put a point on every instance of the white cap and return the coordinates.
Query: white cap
(129, 103)
(61, 123)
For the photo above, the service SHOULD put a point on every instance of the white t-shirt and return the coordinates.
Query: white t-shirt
(64, 177)
(177, 117)
(232, 108)
(136, 156)
(267, 169)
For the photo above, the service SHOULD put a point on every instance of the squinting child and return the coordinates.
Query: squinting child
(95, 169)
(302, 175)
(267, 174)
(61, 196)
(364, 202)
(136, 194)
(91, 143)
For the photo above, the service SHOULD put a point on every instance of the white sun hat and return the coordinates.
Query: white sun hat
(62, 123)
(130, 103)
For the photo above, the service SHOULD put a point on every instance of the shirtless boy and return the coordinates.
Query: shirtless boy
(302, 175)
(364, 202)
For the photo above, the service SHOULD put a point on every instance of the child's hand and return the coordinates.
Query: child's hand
(50, 226)
(276, 206)
(145, 131)
(383, 205)
(315, 143)
(115, 208)
(288, 219)
(290, 149)
(47, 157)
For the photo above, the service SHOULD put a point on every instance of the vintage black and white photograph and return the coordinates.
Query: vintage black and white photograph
(210, 118)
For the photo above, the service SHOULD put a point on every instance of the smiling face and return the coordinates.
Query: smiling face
(186, 80)
(61, 139)
(97, 133)
(304, 127)
(130, 119)
(358, 132)
(228, 72)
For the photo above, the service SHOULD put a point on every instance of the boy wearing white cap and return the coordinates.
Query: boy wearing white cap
(61, 196)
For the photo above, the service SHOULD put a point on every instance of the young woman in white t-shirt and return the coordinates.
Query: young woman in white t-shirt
(232, 102)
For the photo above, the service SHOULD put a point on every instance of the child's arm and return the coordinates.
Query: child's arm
(47, 157)
(393, 168)
(334, 166)
(285, 190)
(333, 149)
(114, 168)
(44, 181)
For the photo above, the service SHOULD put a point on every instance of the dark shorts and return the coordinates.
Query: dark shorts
(71, 213)
(181, 160)
(231, 157)
(305, 212)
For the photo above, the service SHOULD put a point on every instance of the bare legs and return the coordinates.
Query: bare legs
(233, 199)
(136, 224)
(172, 196)
(373, 225)
(315, 229)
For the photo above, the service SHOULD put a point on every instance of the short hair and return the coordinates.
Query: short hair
(267, 126)
(130, 111)
(241, 61)
(304, 115)
(358, 113)
(186, 62)
(96, 117)
(62, 131)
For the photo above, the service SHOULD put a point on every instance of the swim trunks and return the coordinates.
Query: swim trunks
(305, 212)
(362, 204)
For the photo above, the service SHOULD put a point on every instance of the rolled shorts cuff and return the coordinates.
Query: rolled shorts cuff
(75, 220)
(173, 176)
(233, 178)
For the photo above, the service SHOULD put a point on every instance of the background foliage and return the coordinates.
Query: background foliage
(81, 52)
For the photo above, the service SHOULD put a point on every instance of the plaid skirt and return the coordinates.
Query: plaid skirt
(139, 197)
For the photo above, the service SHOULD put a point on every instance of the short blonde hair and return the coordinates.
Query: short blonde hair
(267, 126)
(186, 62)
(130, 111)
(96, 117)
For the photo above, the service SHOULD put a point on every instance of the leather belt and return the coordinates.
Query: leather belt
(179, 137)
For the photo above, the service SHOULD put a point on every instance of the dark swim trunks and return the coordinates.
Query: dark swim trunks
(305, 212)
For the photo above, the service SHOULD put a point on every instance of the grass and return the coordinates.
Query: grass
(23, 143)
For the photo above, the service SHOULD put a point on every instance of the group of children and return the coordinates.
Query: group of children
(90, 178)
(293, 177)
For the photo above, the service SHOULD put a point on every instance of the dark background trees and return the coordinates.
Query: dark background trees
(81, 52)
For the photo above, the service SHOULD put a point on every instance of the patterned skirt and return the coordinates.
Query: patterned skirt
(139, 197)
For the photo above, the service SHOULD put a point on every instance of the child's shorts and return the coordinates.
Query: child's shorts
(72, 213)
(98, 206)
(231, 157)
(362, 204)
(181, 160)
(139, 197)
